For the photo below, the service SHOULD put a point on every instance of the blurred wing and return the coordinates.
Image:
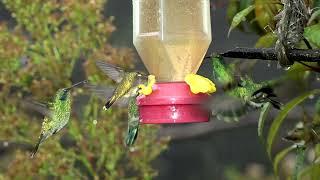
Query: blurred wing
(37, 106)
(112, 71)
(222, 102)
(227, 108)
(105, 92)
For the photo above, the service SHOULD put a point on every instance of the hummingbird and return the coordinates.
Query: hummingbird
(56, 116)
(251, 95)
(126, 81)
(133, 118)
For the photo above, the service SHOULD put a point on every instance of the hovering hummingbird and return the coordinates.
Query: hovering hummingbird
(126, 81)
(57, 116)
(251, 95)
(129, 100)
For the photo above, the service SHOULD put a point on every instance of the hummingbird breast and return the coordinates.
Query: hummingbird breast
(126, 84)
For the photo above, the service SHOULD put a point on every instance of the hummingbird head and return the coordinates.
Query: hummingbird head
(142, 77)
(64, 93)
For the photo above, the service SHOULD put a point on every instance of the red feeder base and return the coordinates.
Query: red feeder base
(172, 102)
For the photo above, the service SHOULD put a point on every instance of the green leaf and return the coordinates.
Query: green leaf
(221, 73)
(239, 17)
(282, 115)
(313, 172)
(232, 9)
(265, 12)
(280, 156)
(314, 16)
(312, 34)
(266, 41)
(263, 116)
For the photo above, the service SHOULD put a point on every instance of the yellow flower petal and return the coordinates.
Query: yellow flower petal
(147, 90)
(200, 84)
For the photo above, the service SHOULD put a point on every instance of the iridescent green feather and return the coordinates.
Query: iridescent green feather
(133, 121)
(221, 73)
(242, 89)
(59, 117)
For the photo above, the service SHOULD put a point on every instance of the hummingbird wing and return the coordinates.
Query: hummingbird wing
(112, 71)
(37, 106)
(105, 92)
(227, 108)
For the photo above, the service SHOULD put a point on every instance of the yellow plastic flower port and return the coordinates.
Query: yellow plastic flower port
(200, 84)
(147, 90)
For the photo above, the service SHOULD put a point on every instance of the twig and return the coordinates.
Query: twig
(305, 55)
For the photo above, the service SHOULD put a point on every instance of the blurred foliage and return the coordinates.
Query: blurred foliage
(38, 56)
(306, 135)
(251, 172)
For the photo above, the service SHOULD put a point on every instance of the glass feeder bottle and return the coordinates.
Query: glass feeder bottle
(171, 37)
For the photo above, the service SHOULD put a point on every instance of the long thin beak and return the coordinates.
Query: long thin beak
(77, 84)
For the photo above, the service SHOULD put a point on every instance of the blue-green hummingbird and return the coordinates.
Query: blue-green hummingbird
(56, 116)
(251, 95)
(126, 80)
(133, 118)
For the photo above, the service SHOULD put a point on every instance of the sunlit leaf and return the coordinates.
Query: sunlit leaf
(275, 126)
(266, 41)
(314, 16)
(279, 156)
(311, 172)
(263, 116)
(232, 9)
(312, 34)
(239, 17)
(265, 12)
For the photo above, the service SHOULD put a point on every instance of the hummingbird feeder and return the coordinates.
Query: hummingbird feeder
(172, 37)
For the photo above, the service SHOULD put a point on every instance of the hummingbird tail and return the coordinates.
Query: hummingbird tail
(35, 149)
(132, 136)
(109, 103)
(275, 104)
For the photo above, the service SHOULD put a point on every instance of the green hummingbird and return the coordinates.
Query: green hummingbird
(126, 81)
(251, 95)
(129, 101)
(133, 118)
(56, 116)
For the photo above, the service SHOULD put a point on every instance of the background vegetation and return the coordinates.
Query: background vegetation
(259, 16)
(50, 45)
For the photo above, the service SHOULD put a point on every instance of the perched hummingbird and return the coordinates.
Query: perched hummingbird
(57, 116)
(133, 118)
(251, 95)
(126, 81)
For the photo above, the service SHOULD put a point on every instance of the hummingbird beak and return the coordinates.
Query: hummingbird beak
(77, 84)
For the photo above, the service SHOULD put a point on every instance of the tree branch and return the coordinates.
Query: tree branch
(306, 55)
